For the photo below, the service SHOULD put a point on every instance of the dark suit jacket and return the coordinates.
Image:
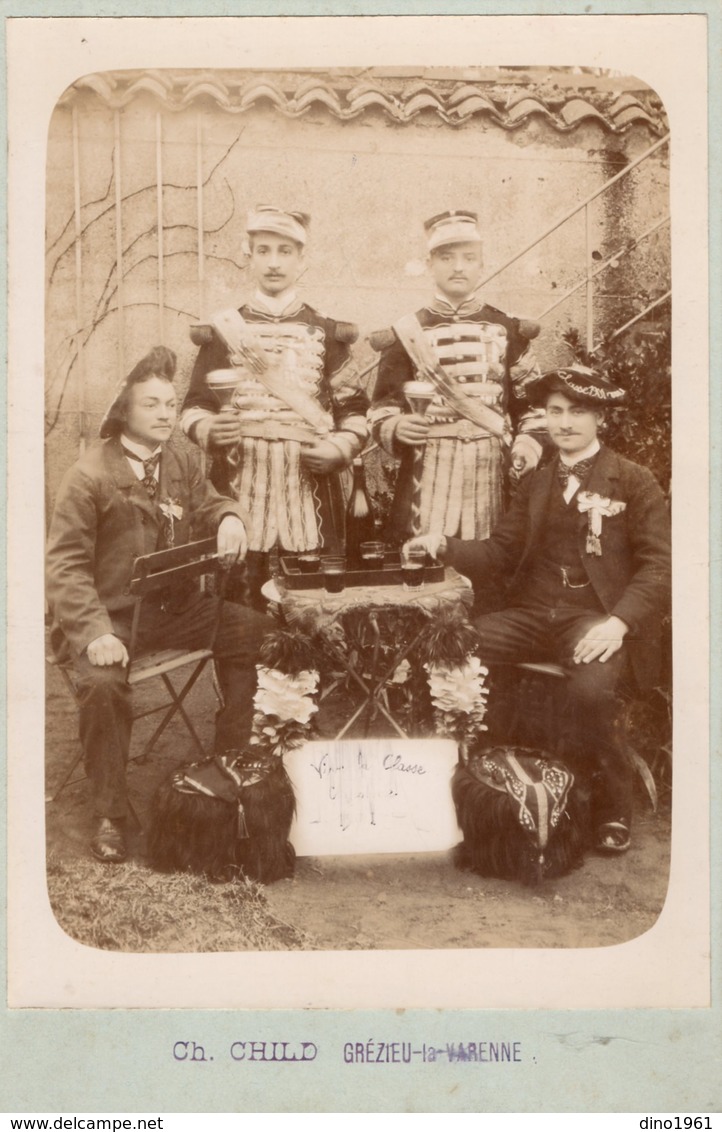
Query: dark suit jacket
(631, 578)
(104, 519)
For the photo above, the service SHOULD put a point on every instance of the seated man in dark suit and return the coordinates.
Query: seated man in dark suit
(586, 548)
(132, 493)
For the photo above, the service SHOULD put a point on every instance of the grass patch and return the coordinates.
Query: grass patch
(130, 908)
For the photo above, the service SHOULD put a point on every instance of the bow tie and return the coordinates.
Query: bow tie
(580, 470)
(149, 468)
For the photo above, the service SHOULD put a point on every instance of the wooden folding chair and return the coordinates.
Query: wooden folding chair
(163, 570)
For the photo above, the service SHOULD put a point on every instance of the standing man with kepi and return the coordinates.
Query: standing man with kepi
(586, 548)
(477, 361)
(298, 412)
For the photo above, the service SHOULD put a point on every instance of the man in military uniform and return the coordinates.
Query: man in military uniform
(477, 362)
(298, 412)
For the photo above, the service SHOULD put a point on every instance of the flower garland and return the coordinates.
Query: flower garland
(284, 704)
(456, 677)
(285, 700)
(288, 684)
(459, 694)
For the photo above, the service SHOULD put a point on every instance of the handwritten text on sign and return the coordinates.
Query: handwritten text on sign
(373, 796)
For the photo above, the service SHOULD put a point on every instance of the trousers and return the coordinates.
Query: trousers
(104, 695)
(546, 627)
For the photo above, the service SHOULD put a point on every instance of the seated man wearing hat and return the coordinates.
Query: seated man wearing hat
(586, 549)
(477, 362)
(299, 412)
(132, 493)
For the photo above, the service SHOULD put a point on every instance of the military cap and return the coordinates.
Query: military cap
(455, 227)
(267, 218)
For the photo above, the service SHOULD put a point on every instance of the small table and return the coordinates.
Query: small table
(369, 633)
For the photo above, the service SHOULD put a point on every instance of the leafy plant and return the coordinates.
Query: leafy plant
(638, 361)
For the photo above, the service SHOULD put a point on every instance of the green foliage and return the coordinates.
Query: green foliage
(639, 361)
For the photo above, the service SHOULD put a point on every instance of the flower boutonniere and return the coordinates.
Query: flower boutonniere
(597, 507)
(171, 510)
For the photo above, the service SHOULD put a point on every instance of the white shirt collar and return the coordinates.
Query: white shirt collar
(142, 452)
(139, 449)
(585, 454)
(275, 304)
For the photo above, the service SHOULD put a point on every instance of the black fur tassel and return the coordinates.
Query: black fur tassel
(497, 843)
(289, 651)
(448, 639)
(193, 832)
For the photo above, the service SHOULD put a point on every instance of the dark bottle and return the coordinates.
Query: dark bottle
(360, 526)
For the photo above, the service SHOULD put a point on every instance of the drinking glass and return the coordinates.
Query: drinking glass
(334, 574)
(372, 555)
(309, 561)
(413, 561)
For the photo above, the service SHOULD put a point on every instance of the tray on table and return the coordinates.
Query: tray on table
(390, 575)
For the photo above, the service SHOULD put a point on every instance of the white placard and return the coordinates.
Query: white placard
(373, 796)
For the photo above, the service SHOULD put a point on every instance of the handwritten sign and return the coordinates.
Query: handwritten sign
(373, 796)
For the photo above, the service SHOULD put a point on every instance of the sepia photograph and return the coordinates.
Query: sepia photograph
(361, 322)
(358, 542)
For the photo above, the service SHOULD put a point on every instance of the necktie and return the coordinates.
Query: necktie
(580, 470)
(149, 466)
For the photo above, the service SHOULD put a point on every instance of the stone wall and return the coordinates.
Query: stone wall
(133, 177)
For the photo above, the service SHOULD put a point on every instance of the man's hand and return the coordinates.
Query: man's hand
(224, 430)
(601, 641)
(434, 545)
(411, 429)
(524, 457)
(232, 543)
(107, 650)
(322, 457)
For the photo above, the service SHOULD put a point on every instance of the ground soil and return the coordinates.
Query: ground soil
(387, 902)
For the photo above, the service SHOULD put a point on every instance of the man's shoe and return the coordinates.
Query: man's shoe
(109, 845)
(613, 837)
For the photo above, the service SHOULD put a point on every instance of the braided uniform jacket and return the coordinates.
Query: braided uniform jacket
(462, 484)
(287, 504)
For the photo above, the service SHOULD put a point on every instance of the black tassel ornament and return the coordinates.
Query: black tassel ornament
(226, 816)
(520, 814)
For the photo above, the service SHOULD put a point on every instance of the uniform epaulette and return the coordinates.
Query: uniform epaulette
(346, 332)
(202, 334)
(381, 339)
(528, 328)
(504, 314)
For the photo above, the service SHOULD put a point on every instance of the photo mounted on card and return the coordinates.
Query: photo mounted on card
(358, 455)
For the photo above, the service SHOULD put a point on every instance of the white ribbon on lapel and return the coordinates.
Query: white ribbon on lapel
(597, 507)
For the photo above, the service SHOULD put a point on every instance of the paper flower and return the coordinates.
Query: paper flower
(286, 697)
(459, 697)
(402, 672)
(457, 689)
